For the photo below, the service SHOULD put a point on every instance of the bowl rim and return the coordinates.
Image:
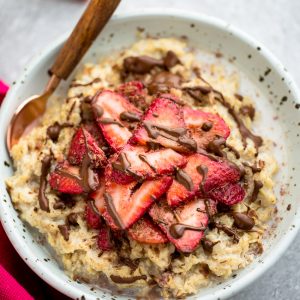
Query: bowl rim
(66, 288)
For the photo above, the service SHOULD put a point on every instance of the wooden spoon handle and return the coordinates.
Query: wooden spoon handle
(94, 18)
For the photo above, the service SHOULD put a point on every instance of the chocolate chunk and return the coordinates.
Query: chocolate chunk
(208, 245)
(239, 97)
(243, 221)
(162, 82)
(53, 131)
(72, 219)
(86, 111)
(64, 230)
(207, 126)
(141, 64)
(257, 186)
(171, 60)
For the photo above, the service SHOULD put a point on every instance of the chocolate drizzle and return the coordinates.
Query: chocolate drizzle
(232, 149)
(215, 146)
(98, 110)
(208, 245)
(108, 121)
(254, 168)
(248, 110)
(129, 116)
(53, 131)
(112, 210)
(124, 164)
(175, 134)
(127, 280)
(187, 142)
(177, 230)
(89, 178)
(184, 179)
(143, 158)
(77, 84)
(202, 170)
(198, 93)
(43, 200)
(257, 186)
(244, 131)
(229, 231)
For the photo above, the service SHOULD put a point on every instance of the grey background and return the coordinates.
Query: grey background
(28, 26)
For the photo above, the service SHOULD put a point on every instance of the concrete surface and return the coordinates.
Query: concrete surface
(27, 26)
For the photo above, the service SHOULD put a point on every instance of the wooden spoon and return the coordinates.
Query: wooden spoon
(94, 18)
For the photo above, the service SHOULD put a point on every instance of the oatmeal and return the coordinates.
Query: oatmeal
(149, 173)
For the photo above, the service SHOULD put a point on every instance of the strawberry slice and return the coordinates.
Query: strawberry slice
(229, 194)
(136, 162)
(81, 142)
(134, 92)
(108, 107)
(204, 127)
(98, 196)
(184, 226)
(163, 124)
(145, 231)
(125, 204)
(92, 216)
(66, 179)
(96, 133)
(218, 173)
(105, 242)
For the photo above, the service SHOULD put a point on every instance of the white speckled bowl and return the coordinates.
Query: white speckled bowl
(279, 120)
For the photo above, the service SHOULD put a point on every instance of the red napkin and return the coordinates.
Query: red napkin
(3, 90)
(17, 281)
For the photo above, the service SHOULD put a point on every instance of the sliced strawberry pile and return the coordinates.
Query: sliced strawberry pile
(66, 179)
(144, 164)
(134, 92)
(193, 213)
(131, 201)
(108, 107)
(150, 172)
(218, 174)
(82, 142)
(205, 127)
(163, 124)
(145, 231)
